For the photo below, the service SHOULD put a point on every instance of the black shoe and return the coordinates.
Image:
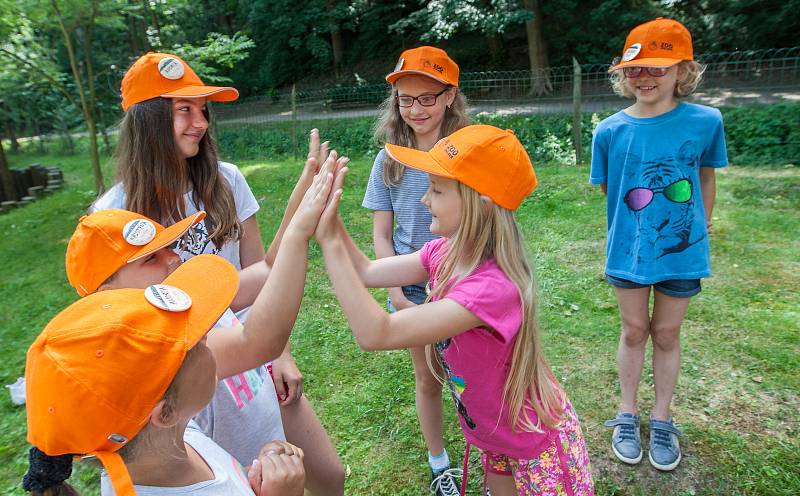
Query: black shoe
(446, 483)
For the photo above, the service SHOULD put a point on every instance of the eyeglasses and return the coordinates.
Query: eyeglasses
(635, 71)
(426, 100)
(678, 192)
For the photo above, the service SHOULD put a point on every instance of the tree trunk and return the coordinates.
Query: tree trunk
(537, 51)
(12, 136)
(496, 49)
(88, 113)
(9, 192)
(336, 40)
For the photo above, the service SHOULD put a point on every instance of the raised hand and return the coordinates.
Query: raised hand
(329, 222)
(317, 155)
(316, 197)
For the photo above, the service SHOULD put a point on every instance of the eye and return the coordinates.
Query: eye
(150, 258)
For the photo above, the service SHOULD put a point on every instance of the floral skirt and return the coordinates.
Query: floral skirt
(561, 470)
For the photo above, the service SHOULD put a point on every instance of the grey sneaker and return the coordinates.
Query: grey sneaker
(447, 482)
(626, 441)
(665, 452)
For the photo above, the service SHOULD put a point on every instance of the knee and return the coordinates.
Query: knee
(428, 385)
(665, 338)
(635, 334)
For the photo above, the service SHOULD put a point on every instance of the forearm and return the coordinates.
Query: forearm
(368, 321)
(291, 207)
(708, 188)
(274, 312)
(360, 261)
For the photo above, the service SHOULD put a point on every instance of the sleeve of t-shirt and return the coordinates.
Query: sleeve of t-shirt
(113, 198)
(716, 155)
(599, 170)
(377, 195)
(246, 204)
(493, 298)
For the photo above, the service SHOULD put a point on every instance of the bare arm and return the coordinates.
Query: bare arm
(708, 188)
(382, 228)
(274, 312)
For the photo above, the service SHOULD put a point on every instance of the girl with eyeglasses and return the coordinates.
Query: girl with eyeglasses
(655, 160)
(424, 105)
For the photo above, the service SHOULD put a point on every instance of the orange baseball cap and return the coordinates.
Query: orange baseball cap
(106, 240)
(88, 389)
(428, 61)
(487, 159)
(657, 43)
(167, 75)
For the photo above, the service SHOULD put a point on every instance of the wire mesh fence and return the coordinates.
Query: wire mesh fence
(759, 75)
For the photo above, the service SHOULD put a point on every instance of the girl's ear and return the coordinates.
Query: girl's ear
(487, 202)
(163, 415)
(451, 96)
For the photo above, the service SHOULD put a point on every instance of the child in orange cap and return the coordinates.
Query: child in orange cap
(479, 319)
(655, 160)
(91, 392)
(168, 167)
(424, 104)
(114, 249)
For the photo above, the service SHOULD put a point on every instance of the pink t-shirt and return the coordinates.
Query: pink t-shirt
(476, 362)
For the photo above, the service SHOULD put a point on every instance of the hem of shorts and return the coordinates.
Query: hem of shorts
(666, 277)
(598, 180)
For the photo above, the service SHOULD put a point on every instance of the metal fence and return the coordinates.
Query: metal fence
(730, 78)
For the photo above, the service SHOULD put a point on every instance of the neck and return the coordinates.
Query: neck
(426, 142)
(168, 460)
(654, 109)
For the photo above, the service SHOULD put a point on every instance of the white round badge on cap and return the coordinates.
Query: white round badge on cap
(139, 232)
(168, 298)
(399, 64)
(632, 52)
(171, 68)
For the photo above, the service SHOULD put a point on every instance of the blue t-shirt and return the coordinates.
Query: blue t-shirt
(412, 219)
(655, 216)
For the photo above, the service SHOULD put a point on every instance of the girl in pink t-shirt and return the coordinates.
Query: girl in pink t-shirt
(479, 320)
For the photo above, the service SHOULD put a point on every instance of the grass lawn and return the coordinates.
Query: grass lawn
(737, 399)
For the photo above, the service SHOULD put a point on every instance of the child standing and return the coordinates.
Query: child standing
(168, 168)
(89, 394)
(655, 160)
(424, 104)
(479, 321)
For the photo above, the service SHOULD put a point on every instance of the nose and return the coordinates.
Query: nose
(200, 120)
(172, 259)
(425, 200)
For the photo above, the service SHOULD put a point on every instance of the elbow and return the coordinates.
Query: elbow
(367, 342)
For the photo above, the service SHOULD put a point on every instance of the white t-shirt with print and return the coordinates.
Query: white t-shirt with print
(196, 241)
(230, 478)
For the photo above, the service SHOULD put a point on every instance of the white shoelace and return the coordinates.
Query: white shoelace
(444, 482)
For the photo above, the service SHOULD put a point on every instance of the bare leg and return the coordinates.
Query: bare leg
(634, 311)
(428, 396)
(501, 485)
(665, 327)
(324, 471)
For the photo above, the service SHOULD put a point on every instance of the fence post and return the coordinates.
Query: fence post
(576, 109)
(294, 121)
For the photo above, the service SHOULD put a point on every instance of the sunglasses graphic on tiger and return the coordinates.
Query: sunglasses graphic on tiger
(678, 192)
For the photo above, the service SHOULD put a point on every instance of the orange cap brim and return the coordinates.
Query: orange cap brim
(168, 235)
(213, 93)
(650, 62)
(394, 76)
(417, 159)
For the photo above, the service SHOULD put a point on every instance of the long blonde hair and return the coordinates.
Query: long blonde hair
(391, 128)
(488, 231)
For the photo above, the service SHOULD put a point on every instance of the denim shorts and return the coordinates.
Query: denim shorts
(677, 288)
(415, 294)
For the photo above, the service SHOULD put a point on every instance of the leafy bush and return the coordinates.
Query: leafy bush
(755, 135)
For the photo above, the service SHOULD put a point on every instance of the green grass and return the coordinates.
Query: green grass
(737, 398)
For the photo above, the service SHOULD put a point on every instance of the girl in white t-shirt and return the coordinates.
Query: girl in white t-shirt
(168, 168)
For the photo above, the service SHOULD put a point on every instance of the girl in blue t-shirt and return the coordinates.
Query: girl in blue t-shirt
(424, 105)
(655, 160)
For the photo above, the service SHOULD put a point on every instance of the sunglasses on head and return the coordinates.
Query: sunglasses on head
(426, 100)
(678, 192)
(635, 71)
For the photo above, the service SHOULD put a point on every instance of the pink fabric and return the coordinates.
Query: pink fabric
(477, 361)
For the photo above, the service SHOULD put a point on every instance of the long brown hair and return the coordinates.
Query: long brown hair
(155, 177)
(489, 231)
(391, 128)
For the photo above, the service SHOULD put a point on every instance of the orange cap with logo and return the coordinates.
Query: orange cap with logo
(487, 159)
(87, 386)
(167, 75)
(657, 43)
(106, 240)
(428, 61)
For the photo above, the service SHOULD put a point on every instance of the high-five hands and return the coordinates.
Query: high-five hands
(316, 197)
